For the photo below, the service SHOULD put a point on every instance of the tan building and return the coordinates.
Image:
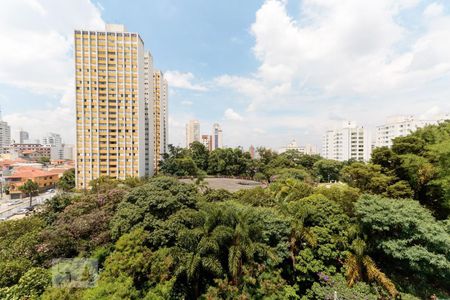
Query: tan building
(114, 136)
(160, 116)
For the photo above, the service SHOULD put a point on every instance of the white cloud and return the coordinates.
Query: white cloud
(230, 114)
(182, 80)
(37, 55)
(351, 57)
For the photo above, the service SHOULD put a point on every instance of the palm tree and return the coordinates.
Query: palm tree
(29, 187)
(201, 248)
(361, 266)
(300, 233)
(289, 189)
(244, 246)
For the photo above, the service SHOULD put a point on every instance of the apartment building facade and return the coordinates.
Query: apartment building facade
(402, 125)
(113, 112)
(160, 115)
(349, 141)
(217, 141)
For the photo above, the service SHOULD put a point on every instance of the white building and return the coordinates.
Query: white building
(51, 139)
(307, 149)
(5, 134)
(402, 125)
(216, 137)
(347, 142)
(192, 132)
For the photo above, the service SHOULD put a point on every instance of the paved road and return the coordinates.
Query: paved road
(7, 210)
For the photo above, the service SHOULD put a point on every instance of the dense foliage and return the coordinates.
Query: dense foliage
(382, 232)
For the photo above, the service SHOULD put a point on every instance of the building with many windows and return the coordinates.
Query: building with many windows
(216, 136)
(114, 105)
(51, 139)
(402, 125)
(207, 141)
(347, 142)
(5, 134)
(160, 115)
(192, 132)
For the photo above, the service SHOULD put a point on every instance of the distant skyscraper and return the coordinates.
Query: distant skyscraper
(216, 136)
(113, 106)
(207, 141)
(192, 132)
(23, 136)
(348, 142)
(5, 134)
(160, 115)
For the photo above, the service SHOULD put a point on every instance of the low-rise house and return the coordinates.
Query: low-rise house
(45, 179)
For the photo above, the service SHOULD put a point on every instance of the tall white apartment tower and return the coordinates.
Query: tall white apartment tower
(112, 129)
(347, 142)
(216, 136)
(5, 134)
(192, 132)
(160, 115)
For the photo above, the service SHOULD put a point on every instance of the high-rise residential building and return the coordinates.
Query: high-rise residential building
(216, 136)
(54, 141)
(5, 134)
(23, 136)
(347, 142)
(402, 125)
(149, 113)
(192, 132)
(207, 141)
(160, 115)
(113, 114)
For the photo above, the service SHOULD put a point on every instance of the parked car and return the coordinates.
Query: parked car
(23, 211)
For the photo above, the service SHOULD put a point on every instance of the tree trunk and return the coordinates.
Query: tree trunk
(31, 199)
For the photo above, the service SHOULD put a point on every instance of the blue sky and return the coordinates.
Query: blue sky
(267, 71)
